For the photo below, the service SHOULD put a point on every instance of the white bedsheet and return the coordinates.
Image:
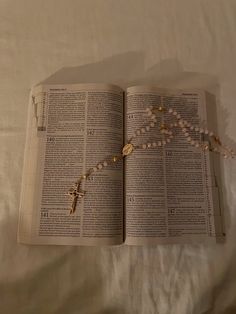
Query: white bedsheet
(173, 43)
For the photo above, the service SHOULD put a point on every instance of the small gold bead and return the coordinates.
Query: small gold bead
(163, 127)
(84, 176)
(160, 108)
(114, 158)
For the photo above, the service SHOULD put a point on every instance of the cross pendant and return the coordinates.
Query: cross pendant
(75, 193)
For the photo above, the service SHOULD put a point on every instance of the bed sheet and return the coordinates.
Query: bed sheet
(183, 43)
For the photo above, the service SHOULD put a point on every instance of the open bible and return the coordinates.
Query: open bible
(166, 194)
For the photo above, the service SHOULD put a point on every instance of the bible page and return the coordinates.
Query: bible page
(170, 190)
(72, 128)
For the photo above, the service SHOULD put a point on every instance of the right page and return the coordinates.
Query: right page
(171, 194)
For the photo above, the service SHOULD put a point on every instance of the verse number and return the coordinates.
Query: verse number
(44, 215)
(91, 132)
(131, 199)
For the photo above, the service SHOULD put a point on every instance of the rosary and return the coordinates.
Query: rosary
(214, 144)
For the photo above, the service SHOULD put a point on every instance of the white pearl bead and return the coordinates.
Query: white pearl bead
(196, 129)
(191, 127)
(147, 109)
(163, 142)
(186, 134)
(149, 113)
(192, 142)
(154, 120)
(189, 139)
(159, 143)
(197, 144)
(153, 116)
(170, 110)
(201, 130)
(178, 116)
(100, 166)
(168, 140)
(138, 132)
(184, 130)
(105, 164)
(152, 124)
(144, 146)
(174, 113)
(147, 128)
(149, 145)
(154, 144)
(95, 169)
(143, 130)
(206, 131)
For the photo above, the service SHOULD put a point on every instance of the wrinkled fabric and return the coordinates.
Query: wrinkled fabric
(181, 44)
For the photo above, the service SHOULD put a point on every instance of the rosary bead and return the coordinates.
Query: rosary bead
(153, 116)
(178, 116)
(105, 164)
(174, 113)
(149, 113)
(201, 130)
(189, 139)
(206, 131)
(170, 110)
(144, 146)
(191, 127)
(186, 134)
(196, 129)
(152, 124)
(159, 143)
(168, 140)
(143, 130)
(149, 145)
(163, 142)
(95, 169)
(147, 128)
(154, 144)
(100, 166)
(211, 134)
(138, 132)
(192, 142)
(197, 144)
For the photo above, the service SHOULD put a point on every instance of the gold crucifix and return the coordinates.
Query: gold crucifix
(75, 193)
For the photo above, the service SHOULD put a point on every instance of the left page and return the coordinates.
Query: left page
(71, 128)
